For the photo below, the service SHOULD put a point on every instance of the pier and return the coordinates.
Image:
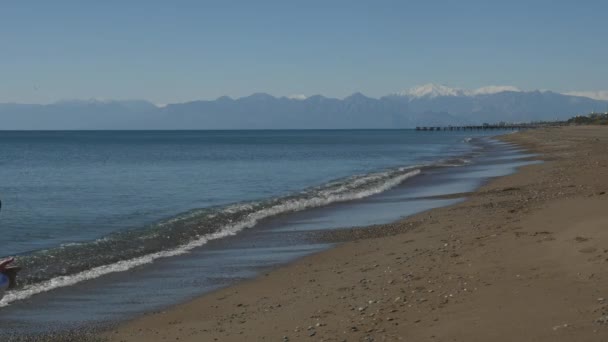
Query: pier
(480, 127)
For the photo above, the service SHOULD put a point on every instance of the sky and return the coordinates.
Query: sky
(177, 51)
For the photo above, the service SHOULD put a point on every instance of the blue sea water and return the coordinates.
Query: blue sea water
(84, 206)
(64, 187)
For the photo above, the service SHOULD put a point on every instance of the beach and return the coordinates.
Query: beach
(522, 259)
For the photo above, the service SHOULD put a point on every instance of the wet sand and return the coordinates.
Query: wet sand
(523, 259)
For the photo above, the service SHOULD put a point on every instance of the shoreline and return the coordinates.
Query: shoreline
(109, 254)
(439, 280)
(391, 284)
(262, 245)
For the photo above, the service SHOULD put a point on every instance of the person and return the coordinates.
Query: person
(7, 275)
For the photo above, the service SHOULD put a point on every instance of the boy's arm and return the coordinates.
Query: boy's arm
(5, 263)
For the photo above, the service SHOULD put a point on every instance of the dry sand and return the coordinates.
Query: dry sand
(523, 259)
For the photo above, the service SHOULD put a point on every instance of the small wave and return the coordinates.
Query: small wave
(467, 140)
(457, 162)
(73, 263)
(120, 266)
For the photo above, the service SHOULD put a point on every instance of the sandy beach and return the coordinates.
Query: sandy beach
(522, 259)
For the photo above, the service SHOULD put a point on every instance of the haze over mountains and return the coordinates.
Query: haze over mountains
(421, 106)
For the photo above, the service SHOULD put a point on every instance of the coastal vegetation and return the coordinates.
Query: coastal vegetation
(590, 119)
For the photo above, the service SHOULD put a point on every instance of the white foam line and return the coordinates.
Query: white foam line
(250, 221)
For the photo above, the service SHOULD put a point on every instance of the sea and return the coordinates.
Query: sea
(108, 225)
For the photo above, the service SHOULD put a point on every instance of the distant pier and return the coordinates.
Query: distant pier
(478, 128)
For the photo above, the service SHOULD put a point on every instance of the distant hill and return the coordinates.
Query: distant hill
(493, 104)
(422, 106)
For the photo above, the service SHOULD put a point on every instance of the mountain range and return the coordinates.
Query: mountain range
(421, 106)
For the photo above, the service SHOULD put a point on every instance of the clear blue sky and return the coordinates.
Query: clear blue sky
(174, 51)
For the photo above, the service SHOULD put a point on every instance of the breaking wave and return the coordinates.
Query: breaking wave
(72, 263)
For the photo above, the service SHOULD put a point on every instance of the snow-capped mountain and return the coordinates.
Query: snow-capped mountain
(596, 95)
(437, 90)
(493, 89)
(432, 90)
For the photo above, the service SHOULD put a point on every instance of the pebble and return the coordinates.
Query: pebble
(602, 320)
(565, 325)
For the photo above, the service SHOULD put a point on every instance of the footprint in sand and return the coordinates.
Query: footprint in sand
(588, 250)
